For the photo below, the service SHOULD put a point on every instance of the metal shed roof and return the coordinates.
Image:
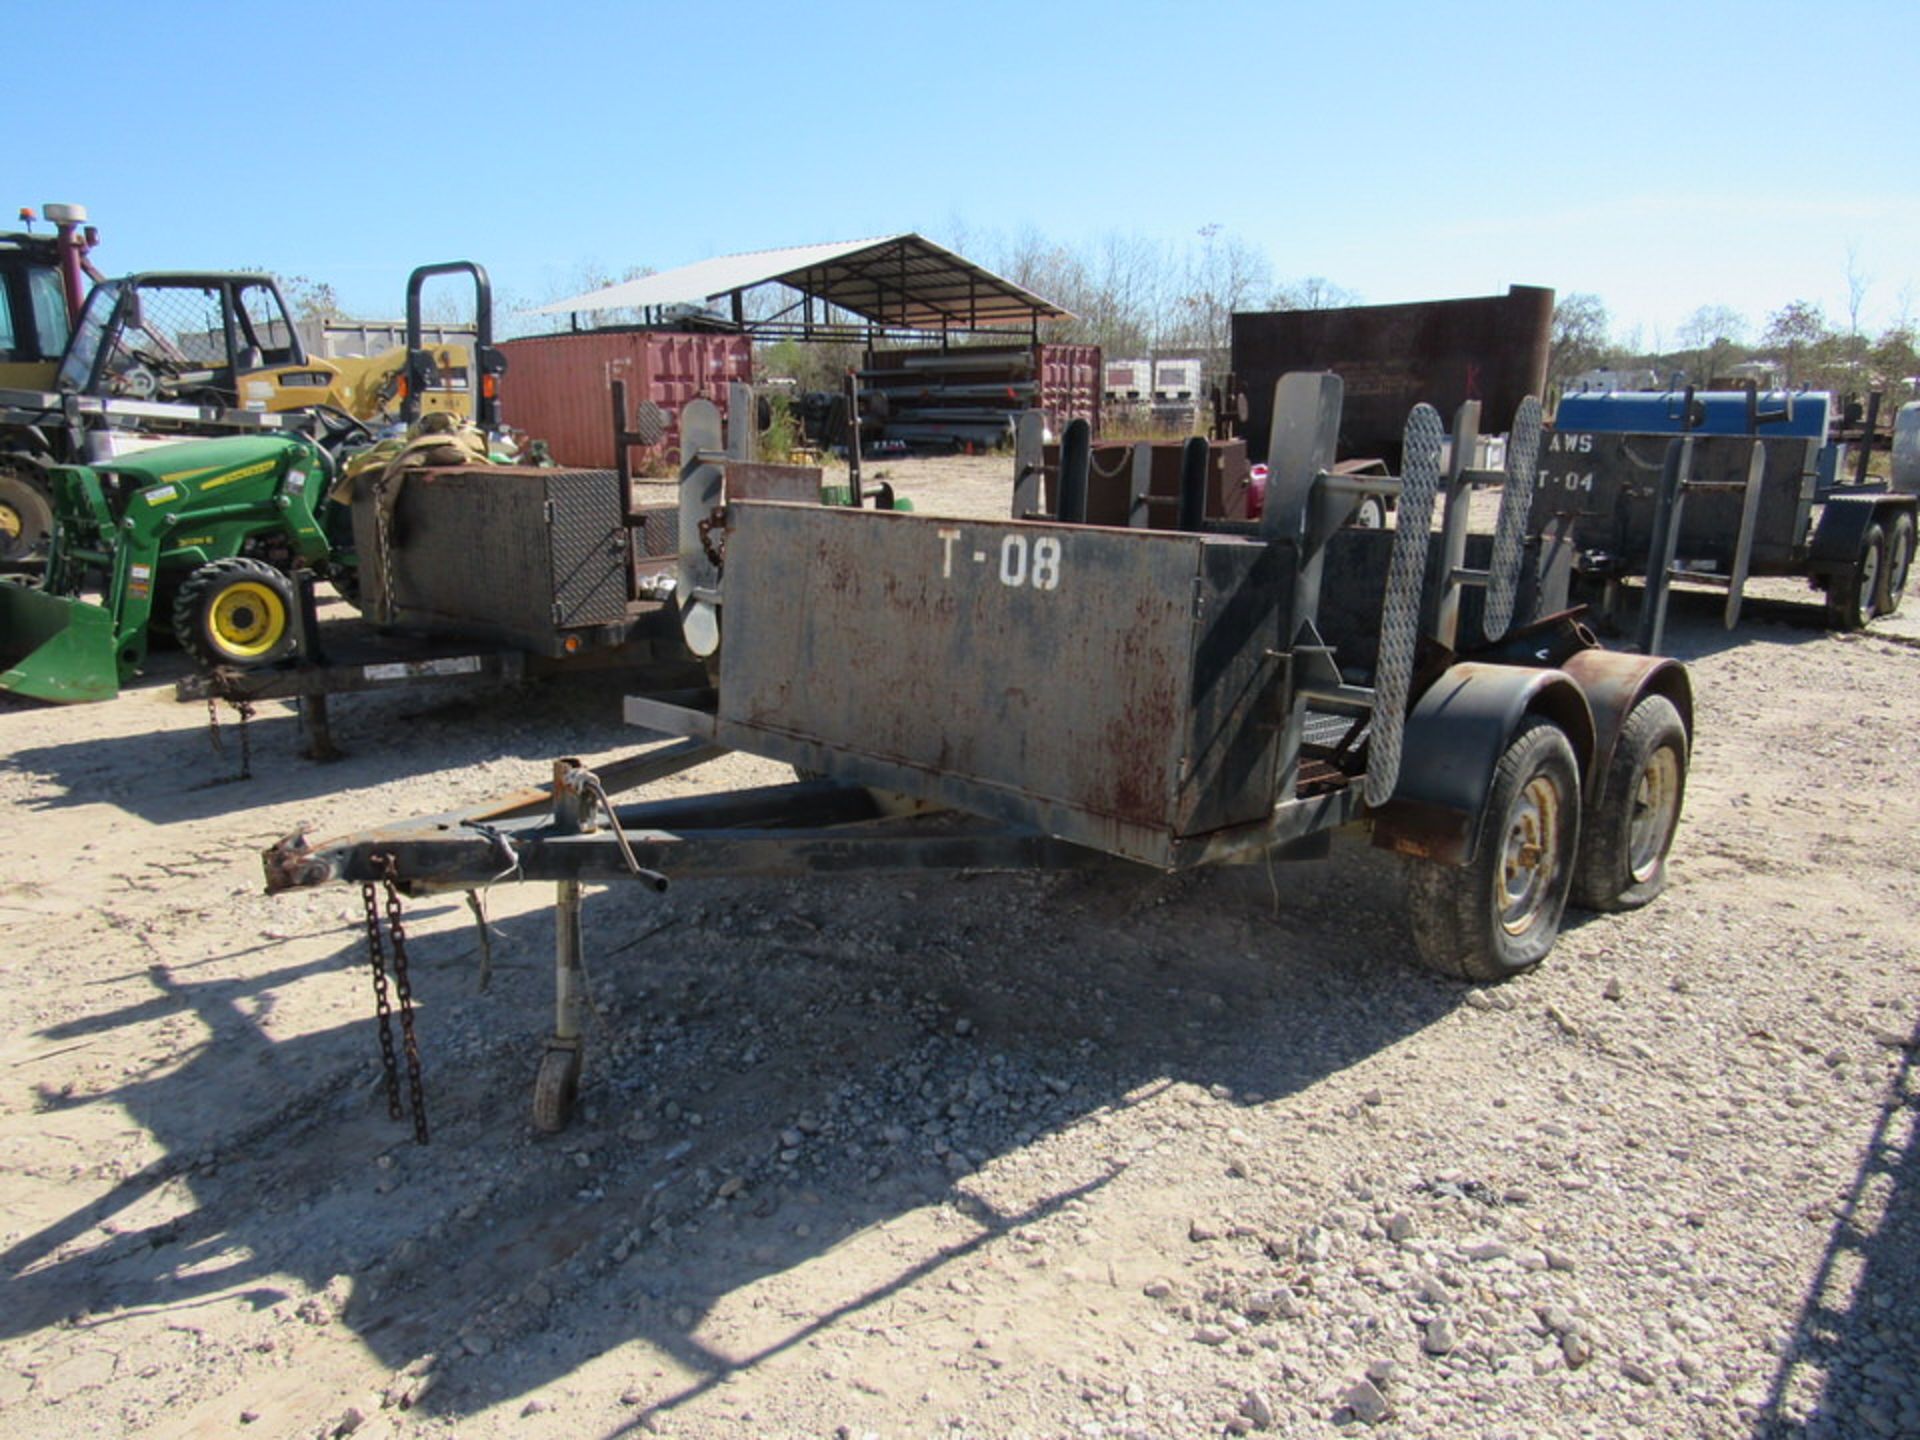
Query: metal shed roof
(899, 281)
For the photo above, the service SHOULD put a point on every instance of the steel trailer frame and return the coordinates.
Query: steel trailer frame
(1243, 738)
(1759, 519)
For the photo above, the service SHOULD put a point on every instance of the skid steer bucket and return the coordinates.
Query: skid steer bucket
(55, 647)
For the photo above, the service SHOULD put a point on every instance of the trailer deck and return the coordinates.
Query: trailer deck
(1039, 693)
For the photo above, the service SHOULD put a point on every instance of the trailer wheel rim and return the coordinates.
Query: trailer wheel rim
(247, 619)
(1869, 578)
(1656, 809)
(1531, 855)
(12, 523)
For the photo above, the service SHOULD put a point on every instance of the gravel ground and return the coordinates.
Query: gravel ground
(960, 1155)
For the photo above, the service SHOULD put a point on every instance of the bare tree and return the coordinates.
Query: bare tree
(1223, 276)
(1316, 292)
(1858, 283)
(1711, 335)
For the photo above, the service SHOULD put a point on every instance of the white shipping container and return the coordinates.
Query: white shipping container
(1176, 379)
(1127, 379)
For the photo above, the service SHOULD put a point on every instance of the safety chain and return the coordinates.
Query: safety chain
(383, 531)
(403, 989)
(383, 1011)
(245, 709)
(716, 553)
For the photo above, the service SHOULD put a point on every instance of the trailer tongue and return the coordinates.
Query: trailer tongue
(1038, 692)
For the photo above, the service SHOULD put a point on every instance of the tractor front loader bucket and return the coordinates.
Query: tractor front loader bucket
(55, 647)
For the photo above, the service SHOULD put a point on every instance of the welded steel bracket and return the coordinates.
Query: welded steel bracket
(1029, 464)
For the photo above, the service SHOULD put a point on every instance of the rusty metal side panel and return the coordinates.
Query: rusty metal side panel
(1235, 696)
(557, 386)
(1056, 663)
(1607, 485)
(1391, 357)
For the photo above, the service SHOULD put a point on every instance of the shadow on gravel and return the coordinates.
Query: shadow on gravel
(1695, 626)
(1852, 1363)
(785, 1076)
(167, 776)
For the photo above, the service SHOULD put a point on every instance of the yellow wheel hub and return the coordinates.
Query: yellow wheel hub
(247, 619)
(10, 522)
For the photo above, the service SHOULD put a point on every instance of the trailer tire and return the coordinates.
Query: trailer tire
(1851, 592)
(26, 517)
(1498, 915)
(236, 612)
(1626, 835)
(1896, 567)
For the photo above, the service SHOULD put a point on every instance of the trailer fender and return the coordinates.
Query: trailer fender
(1453, 742)
(1613, 683)
(1842, 530)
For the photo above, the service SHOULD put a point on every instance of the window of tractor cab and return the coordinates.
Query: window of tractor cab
(263, 325)
(8, 341)
(76, 370)
(49, 299)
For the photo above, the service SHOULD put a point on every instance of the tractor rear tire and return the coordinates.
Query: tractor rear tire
(26, 517)
(1498, 915)
(1851, 593)
(1896, 565)
(1627, 834)
(236, 612)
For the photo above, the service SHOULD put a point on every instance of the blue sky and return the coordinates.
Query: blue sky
(1661, 156)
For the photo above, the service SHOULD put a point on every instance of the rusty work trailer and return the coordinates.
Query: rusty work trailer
(1040, 692)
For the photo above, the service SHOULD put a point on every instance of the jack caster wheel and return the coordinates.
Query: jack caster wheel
(554, 1088)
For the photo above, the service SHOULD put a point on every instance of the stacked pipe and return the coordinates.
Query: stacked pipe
(967, 398)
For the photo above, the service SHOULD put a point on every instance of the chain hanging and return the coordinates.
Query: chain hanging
(402, 989)
(382, 1008)
(245, 709)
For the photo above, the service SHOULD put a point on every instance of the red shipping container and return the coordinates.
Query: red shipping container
(558, 388)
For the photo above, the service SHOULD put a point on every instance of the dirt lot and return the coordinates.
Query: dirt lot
(961, 1155)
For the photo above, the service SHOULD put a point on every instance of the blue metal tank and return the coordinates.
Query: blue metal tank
(1660, 413)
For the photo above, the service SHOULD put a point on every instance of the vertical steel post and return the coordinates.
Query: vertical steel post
(853, 436)
(1194, 456)
(622, 462)
(1666, 537)
(1029, 464)
(1444, 623)
(740, 422)
(1306, 433)
(1139, 503)
(1076, 459)
(1866, 438)
(572, 814)
(568, 956)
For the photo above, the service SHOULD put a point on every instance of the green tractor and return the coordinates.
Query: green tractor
(199, 537)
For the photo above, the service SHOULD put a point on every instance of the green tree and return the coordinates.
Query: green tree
(1578, 340)
(1798, 333)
